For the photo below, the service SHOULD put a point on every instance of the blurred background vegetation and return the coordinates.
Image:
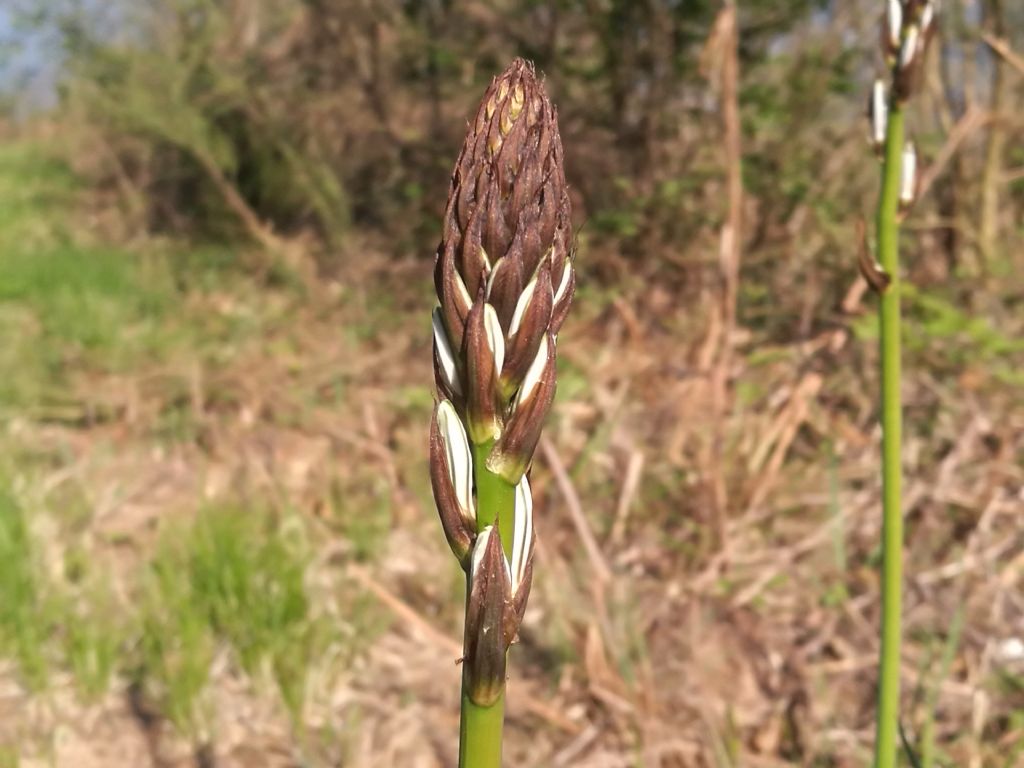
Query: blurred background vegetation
(217, 223)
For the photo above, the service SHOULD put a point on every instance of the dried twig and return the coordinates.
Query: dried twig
(721, 52)
(598, 563)
(634, 471)
(1002, 47)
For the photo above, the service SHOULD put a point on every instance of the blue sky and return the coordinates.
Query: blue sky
(29, 60)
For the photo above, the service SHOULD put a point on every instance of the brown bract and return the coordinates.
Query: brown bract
(483, 406)
(487, 621)
(457, 529)
(511, 455)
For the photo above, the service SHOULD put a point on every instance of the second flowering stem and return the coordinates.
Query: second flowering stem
(892, 512)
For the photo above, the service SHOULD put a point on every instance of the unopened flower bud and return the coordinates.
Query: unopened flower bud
(523, 535)
(446, 369)
(504, 286)
(453, 298)
(892, 27)
(564, 274)
(908, 176)
(451, 478)
(521, 567)
(512, 454)
(527, 329)
(878, 113)
(909, 65)
(489, 594)
(485, 355)
(927, 17)
(909, 50)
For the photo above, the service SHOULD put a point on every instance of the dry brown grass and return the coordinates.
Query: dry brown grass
(651, 644)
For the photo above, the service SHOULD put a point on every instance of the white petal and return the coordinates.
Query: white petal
(927, 16)
(563, 284)
(464, 296)
(444, 352)
(522, 537)
(1011, 649)
(459, 455)
(491, 274)
(495, 337)
(895, 22)
(909, 49)
(521, 306)
(534, 372)
(908, 173)
(879, 112)
(479, 547)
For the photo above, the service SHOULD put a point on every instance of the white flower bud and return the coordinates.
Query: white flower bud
(563, 284)
(459, 456)
(534, 372)
(495, 337)
(480, 549)
(909, 49)
(444, 352)
(927, 17)
(894, 23)
(463, 293)
(521, 306)
(522, 538)
(908, 175)
(879, 113)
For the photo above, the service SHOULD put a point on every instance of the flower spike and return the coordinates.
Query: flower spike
(504, 279)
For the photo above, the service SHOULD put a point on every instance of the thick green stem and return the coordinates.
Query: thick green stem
(892, 513)
(480, 733)
(495, 498)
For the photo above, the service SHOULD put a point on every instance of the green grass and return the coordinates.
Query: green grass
(47, 621)
(93, 639)
(947, 338)
(176, 645)
(247, 578)
(65, 302)
(26, 608)
(939, 672)
(236, 577)
(72, 312)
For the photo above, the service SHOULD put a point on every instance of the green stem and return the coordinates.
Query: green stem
(495, 498)
(892, 513)
(480, 732)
